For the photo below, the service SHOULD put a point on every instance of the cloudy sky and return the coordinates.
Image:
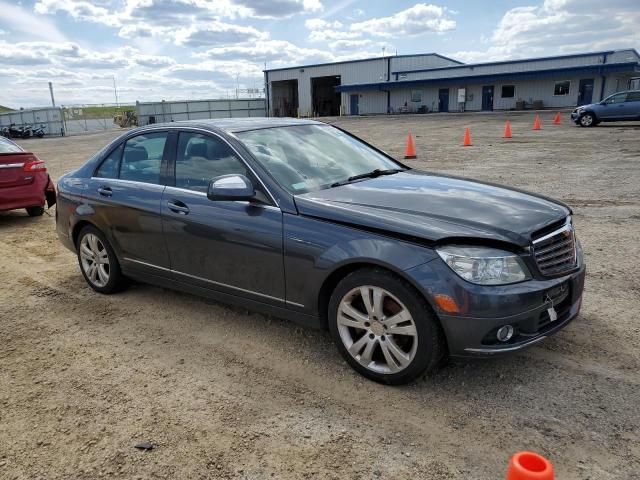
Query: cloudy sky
(173, 49)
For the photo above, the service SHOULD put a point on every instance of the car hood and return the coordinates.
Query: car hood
(435, 208)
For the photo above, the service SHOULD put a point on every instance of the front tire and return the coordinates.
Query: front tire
(588, 120)
(383, 327)
(98, 261)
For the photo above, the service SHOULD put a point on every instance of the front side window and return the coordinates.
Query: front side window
(305, 158)
(142, 158)
(201, 158)
(508, 91)
(617, 98)
(562, 88)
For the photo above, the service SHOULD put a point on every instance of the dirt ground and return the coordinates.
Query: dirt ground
(224, 393)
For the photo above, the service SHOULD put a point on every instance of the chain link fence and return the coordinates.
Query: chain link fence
(94, 117)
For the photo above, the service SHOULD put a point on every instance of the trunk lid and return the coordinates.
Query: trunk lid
(12, 172)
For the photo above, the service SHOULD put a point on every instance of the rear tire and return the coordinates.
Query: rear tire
(35, 211)
(384, 328)
(588, 120)
(98, 262)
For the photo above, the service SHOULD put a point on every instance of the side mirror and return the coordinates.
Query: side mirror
(230, 187)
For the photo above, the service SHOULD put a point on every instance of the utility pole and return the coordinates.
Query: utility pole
(115, 90)
(53, 102)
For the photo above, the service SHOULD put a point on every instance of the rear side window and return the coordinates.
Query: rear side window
(142, 158)
(110, 165)
(7, 146)
(201, 158)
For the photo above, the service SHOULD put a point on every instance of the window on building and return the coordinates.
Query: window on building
(508, 91)
(562, 88)
(416, 95)
(634, 84)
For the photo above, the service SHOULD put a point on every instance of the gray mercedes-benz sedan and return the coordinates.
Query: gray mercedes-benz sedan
(302, 220)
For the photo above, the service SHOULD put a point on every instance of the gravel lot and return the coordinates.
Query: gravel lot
(224, 393)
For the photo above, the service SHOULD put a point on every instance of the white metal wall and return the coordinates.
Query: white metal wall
(198, 110)
(51, 117)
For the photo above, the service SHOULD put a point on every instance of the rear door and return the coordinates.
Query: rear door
(125, 194)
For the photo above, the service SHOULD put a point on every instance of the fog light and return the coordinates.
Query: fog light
(505, 333)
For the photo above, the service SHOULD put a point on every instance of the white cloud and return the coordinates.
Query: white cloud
(417, 20)
(327, 35)
(280, 8)
(217, 33)
(321, 24)
(276, 52)
(349, 44)
(560, 26)
(19, 20)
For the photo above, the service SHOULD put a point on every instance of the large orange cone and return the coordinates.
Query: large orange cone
(507, 129)
(466, 142)
(556, 119)
(536, 124)
(410, 151)
(529, 466)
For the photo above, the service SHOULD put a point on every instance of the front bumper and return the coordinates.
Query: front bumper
(483, 309)
(575, 116)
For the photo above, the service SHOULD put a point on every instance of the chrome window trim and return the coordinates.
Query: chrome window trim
(220, 284)
(11, 165)
(128, 182)
(169, 188)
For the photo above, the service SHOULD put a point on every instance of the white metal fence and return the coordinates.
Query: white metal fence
(158, 112)
(50, 117)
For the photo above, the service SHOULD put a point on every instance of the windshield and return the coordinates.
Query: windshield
(306, 158)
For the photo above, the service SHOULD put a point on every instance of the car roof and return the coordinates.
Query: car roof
(233, 125)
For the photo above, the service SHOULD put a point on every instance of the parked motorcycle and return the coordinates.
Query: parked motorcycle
(15, 131)
(39, 131)
(5, 132)
(27, 131)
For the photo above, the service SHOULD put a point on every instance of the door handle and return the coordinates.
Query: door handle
(105, 191)
(178, 207)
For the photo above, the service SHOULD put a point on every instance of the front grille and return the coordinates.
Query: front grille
(555, 253)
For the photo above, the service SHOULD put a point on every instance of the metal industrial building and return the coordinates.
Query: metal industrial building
(434, 83)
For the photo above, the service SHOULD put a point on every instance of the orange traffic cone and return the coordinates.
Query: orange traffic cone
(529, 466)
(410, 152)
(556, 119)
(536, 124)
(466, 142)
(507, 129)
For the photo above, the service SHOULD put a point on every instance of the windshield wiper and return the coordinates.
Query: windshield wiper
(372, 174)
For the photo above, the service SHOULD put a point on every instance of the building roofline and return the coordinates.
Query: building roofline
(363, 60)
(522, 60)
(600, 68)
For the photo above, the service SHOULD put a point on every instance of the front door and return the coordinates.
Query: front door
(354, 104)
(585, 91)
(613, 108)
(230, 246)
(443, 100)
(487, 97)
(125, 193)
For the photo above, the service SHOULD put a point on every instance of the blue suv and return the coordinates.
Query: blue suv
(617, 107)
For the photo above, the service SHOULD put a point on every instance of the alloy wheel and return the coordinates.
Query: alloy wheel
(586, 120)
(95, 260)
(377, 329)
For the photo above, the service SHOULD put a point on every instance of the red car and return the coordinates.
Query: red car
(24, 181)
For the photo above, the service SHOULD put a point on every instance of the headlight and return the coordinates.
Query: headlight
(484, 266)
